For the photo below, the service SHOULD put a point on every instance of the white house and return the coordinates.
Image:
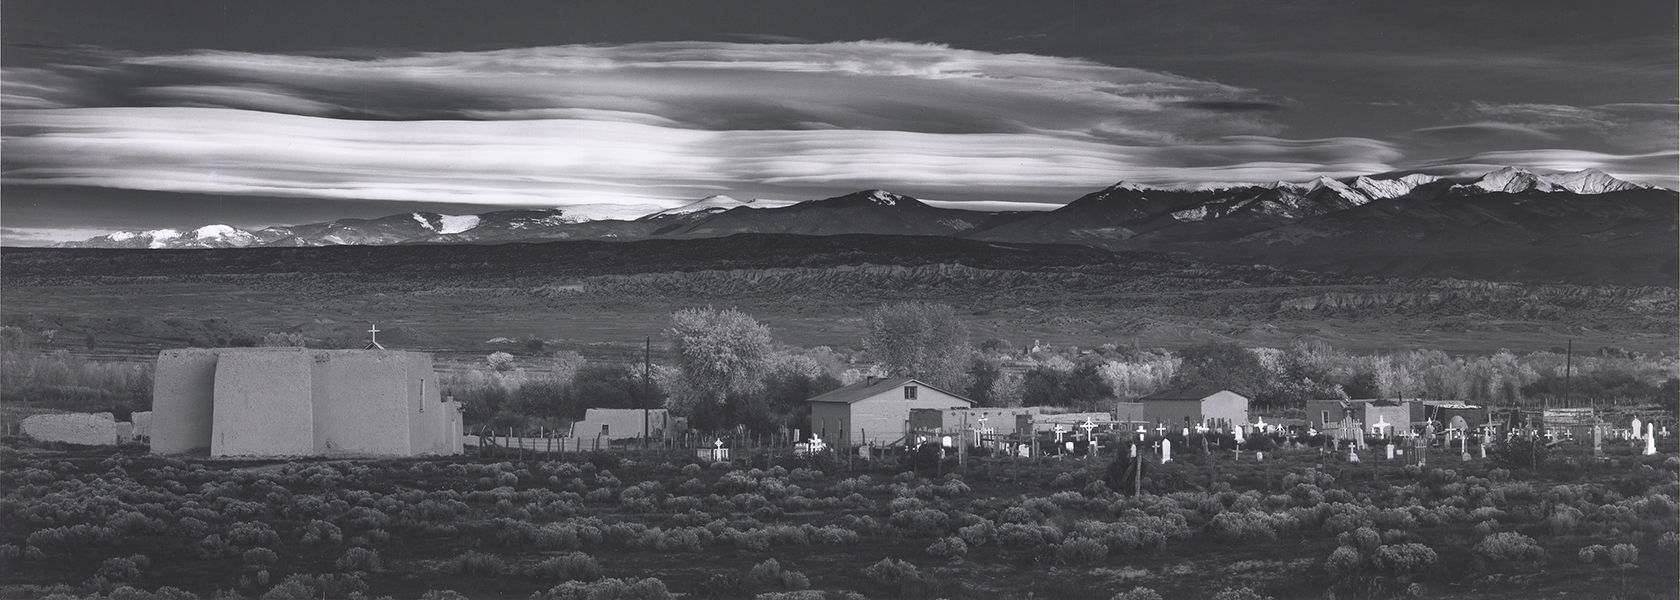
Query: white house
(876, 410)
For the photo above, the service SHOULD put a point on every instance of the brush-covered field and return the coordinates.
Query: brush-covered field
(813, 291)
(653, 525)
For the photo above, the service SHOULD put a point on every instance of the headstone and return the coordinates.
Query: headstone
(1650, 439)
(1166, 451)
(1024, 451)
(1353, 454)
(1390, 447)
(863, 452)
(1638, 429)
(1598, 440)
(1259, 456)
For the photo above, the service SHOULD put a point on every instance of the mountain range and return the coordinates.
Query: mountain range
(1511, 223)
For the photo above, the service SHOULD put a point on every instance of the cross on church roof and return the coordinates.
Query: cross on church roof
(373, 339)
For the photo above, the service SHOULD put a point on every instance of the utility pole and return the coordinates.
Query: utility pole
(647, 385)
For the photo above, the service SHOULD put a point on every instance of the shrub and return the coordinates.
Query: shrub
(1138, 593)
(572, 566)
(1624, 555)
(359, 559)
(890, 571)
(319, 532)
(769, 575)
(948, 548)
(442, 595)
(1509, 547)
(473, 562)
(1343, 561)
(1403, 559)
(978, 534)
(1240, 593)
(607, 589)
(119, 569)
(1590, 554)
(260, 557)
(1082, 551)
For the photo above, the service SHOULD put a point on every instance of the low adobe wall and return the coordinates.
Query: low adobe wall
(264, 404)
(90, 429)
(182, 399)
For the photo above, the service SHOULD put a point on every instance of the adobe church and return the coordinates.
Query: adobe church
(301, 402)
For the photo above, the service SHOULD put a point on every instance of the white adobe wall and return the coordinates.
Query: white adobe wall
(142, 421)
(182, 400)
(428, 414)
(90, 429)
(454, 430)
(622, 423)
(362, 399)
(263, 403)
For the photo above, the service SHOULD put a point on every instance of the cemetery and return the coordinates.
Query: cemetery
(1272, 510)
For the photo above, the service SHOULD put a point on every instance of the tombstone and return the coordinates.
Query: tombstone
(1637, 429)
(1166, 451)
(863, 452)
(945, 441)
(1024, 451)
(1259, 456)
(1598, 440)
(1390, 451)
(1650, 439)
(1238, 433)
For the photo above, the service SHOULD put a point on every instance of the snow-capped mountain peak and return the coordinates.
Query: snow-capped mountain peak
(884, 198)
(1512, 180)
(1591, 181)
(1391, 188)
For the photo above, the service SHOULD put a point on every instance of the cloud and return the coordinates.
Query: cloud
(664, 123)
(879, 85)
(1482, 131)
(1629, 126)
(46, 236)
(566, 161)
(1654, 168)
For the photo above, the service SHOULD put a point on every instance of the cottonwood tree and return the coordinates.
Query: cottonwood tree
(926, 341)
(719, 352)
(1223, 366)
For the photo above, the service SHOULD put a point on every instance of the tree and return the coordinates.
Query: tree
(610, 386)
(919, 340)
(982, 374)
(719, 351)
(1081, 386)
(500, 362)
(1223, 366)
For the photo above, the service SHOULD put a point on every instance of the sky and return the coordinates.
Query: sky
(128, 115)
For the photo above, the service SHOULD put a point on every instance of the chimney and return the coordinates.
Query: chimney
(869, 380)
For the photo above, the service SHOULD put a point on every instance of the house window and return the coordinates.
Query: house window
(1324, 417)
(603, 429)
(909, 392)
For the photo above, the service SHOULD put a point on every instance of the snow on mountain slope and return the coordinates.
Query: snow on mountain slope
(1379, 189)
(1591, 181)
(457, 223)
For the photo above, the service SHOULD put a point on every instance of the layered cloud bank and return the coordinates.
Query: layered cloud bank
(664, 123)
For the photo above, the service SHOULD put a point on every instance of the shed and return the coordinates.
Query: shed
(876, 410)
(1216, 409)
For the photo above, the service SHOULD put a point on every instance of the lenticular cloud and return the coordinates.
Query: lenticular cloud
(646, 122)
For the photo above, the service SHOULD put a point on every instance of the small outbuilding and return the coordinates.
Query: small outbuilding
(624, 423)
(1222, 410)
(876, 410)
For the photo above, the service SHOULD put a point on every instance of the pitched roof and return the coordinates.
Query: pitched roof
(870, 387)
(1185, 394)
